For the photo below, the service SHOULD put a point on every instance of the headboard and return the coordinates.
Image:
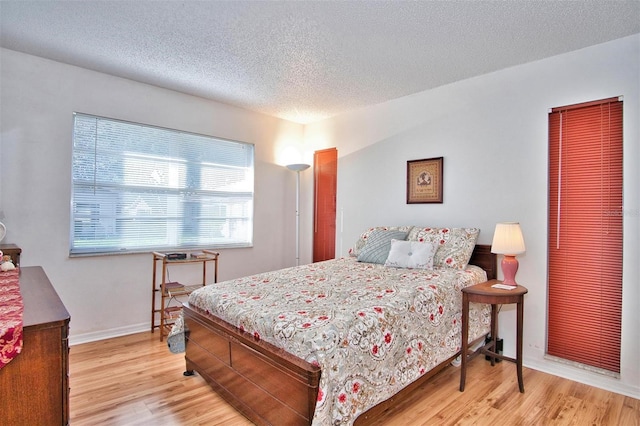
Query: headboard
(483, 258)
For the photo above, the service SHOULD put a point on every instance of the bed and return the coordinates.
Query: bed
(339, 341)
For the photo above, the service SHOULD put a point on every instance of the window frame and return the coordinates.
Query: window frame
(221, 181)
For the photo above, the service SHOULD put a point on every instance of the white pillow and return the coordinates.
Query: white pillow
(411, 254)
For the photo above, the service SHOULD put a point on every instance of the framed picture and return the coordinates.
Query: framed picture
(424, 181)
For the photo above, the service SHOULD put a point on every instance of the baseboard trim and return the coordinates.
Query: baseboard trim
(586, 377)
(107, 334)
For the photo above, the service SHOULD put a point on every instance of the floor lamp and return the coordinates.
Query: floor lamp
(298, 168)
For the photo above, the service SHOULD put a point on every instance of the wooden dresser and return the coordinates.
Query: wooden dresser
(34, 387)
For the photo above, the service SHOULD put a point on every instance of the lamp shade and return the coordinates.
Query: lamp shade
(508, 239)
(298, 167)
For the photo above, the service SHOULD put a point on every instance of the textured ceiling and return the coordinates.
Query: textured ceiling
(307, 60)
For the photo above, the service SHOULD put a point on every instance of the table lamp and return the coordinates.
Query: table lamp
(508, 240)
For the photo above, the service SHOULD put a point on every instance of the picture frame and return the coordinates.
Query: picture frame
(424, 180)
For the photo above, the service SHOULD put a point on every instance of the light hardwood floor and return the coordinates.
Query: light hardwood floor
(135, 380)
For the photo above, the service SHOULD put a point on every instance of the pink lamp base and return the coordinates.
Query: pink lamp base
(509, 268)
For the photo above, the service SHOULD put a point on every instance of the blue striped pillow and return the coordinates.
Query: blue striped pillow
(378, 245)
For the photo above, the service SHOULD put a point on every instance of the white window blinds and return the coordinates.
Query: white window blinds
(141, 188)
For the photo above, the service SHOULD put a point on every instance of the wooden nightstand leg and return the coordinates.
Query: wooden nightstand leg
(465, 340)
(494, 333)
(520, 306)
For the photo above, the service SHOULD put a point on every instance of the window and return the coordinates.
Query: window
(585, 234)
(141, 188)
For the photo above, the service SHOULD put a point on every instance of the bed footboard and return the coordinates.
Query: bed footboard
(268, 385)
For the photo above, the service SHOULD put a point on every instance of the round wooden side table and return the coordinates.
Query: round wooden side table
(485, 293)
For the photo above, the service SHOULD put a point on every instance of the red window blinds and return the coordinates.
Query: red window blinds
(585, 233)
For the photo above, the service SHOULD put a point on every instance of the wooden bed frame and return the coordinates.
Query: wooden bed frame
(266, 384)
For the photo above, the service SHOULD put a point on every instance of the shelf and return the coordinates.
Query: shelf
(167, 308)
(182, 290)
(172, 312)
(189, 260)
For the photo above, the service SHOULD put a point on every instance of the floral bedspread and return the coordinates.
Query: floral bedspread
(372, 329)
(11, 312)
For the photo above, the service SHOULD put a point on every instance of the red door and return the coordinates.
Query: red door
(325, 167)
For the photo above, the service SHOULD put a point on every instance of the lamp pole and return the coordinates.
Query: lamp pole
(298, 168)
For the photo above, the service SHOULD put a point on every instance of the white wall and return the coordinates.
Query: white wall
(492, 132)
(111, 295)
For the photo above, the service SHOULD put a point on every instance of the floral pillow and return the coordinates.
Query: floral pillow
(411, 254)
(376, 249)
(455, 245)
(355, 250)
